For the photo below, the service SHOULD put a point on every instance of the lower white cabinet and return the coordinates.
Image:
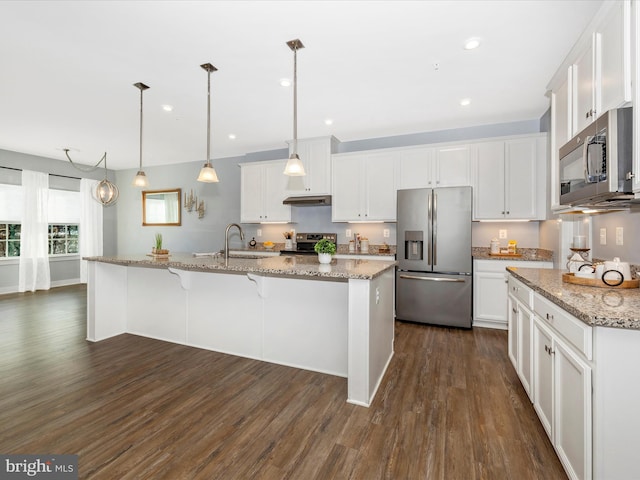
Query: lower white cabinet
(262, 190)
(520, 334)
(490, 290)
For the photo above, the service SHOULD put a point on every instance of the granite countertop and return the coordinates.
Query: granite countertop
(289, 266)
(342, 249)
(528, 255)
(601, 307)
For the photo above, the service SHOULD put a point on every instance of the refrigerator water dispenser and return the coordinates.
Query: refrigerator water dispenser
(413, 245)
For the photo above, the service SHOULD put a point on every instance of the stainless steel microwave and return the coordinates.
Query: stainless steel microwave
(595, 165)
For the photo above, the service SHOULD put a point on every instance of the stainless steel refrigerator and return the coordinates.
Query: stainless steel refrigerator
(434, 273)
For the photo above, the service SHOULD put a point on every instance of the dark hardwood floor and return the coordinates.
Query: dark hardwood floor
(450, 406)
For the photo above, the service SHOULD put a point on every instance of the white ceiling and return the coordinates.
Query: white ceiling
(67, 70)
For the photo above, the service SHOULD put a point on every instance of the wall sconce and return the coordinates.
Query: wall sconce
(191, 203)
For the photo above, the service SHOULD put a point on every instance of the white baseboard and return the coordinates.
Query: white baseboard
(54, 284)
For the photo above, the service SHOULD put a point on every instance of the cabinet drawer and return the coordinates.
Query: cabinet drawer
(521, 292)
(570, 328)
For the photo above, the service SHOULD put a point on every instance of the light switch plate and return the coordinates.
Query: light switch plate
(603, 236)
(502, 233)
(619, 236)
(259, 232)
(348, 233)
(385, 233)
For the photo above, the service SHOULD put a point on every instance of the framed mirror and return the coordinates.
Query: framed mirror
(161, 207)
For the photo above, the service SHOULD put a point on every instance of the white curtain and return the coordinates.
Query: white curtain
(34, 233)
(90, 225)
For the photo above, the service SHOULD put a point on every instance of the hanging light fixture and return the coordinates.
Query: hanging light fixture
(106, 192)
(208, 173)
(294, 167)
(140, 179)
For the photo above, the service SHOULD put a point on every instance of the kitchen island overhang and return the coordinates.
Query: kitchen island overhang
(335, 319)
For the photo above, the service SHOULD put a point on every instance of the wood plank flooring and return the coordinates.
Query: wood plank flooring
(450, 406)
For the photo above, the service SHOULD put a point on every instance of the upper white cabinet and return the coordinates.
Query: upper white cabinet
(428, 167)
(364, 186)
(315, 154)
(594, 78)
(509, 179)
(262, 190)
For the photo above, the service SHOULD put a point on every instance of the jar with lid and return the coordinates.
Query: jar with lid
(495, 246)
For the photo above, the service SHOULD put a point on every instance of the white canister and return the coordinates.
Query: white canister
(495, 246)
(617, 265)
(364, 246)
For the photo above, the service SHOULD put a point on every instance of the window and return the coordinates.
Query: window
(9, 240)
(63, 239)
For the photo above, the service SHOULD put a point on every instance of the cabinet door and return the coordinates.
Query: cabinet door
(490, 299)
(561, 128)
(315, 155)
(513, 343)
(416, 167)
(525, 348)
(251, 199)
(572, 426)
(543, 376)
(380, 189)
(488, 191)
(347, 189)
(453, 166)
(614, 46)
(275, 191)
(521, 179)
(585, 102)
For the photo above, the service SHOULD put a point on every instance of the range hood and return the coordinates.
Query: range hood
(308, 201)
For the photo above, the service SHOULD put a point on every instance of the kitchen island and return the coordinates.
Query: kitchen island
(335, 319)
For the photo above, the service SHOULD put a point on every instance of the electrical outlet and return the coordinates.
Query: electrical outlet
(502, 233)
(348, 233)
(385, 233)
(603, 236)
(259, 232)
(619, 236)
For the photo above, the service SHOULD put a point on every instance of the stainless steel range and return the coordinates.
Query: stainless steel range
(306, 241)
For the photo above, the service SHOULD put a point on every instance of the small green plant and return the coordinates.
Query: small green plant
(325, 246)
(158, 241)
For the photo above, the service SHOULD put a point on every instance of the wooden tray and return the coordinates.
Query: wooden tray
(158, 255)
(597, 282)
(505, 254)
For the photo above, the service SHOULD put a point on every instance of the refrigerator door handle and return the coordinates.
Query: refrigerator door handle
(429, 219)
(432, 279)
(434, 235)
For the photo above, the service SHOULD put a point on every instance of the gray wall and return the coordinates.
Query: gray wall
(63, 271)
(630, 222)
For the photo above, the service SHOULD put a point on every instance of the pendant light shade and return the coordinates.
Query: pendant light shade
(294, 167)
(140, 179)
(208, 173)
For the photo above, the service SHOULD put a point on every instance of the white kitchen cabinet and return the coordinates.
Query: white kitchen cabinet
(509, 180)
(315, 155)
(561, 131)
(429, 167)
(262, 190)
(490, 290)
(364, 187)
(635, 71)
(520, 332)
(562, 398)
(584, 104)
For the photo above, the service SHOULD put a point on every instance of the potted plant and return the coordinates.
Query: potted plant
(158, 248)
(325, 249)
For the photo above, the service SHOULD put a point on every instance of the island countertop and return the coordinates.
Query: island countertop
(290, 266)
(601, 307)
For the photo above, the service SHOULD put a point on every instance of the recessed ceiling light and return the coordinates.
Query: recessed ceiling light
(471, 44)
(465, 101)
(285, 82)
(167, 108)
(232, 136)
(328, 121)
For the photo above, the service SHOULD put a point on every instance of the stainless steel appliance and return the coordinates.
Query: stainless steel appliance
(596, 164)
(306, 241)
(434, 273)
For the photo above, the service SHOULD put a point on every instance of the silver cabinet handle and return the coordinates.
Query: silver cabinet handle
(435, 227)
(432, 279)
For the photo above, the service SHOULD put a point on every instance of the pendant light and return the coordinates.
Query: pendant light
(140, 179)
(106, 192)
(208, 173)
(294, 167)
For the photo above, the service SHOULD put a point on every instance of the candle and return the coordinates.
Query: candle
(579, 241)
